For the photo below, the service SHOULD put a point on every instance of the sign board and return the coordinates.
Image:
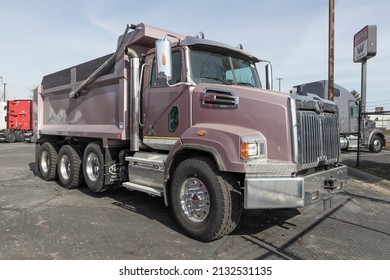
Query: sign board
(364, 44)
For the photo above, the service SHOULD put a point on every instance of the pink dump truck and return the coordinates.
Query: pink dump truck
(186, 119)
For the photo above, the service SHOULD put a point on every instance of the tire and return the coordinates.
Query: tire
(206, 204)
(10, 137)
(47, 161)
(69, 167)
(19, 136)
(347, 145)
(376, 144)
(93, 167)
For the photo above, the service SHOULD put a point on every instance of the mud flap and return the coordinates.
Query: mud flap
(112, 176)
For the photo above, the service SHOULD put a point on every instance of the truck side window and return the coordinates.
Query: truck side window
(354, 111)
(176, 72)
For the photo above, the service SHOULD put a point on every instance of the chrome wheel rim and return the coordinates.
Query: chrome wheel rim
(65, 167)
(377, 144)
(45, 162)
(194, 200)
(92, 167)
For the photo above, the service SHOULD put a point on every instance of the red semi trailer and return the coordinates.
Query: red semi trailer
(18, 120)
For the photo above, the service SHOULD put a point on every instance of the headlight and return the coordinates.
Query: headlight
(251, 147)
(249, 150)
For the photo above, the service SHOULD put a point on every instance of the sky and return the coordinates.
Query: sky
(44, 36)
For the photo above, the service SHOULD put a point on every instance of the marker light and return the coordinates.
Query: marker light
(164, 59)
(201, 132)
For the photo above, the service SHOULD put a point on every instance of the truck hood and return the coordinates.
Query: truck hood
(267, 112)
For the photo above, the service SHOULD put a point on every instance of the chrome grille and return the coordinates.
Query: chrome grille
(318, 139)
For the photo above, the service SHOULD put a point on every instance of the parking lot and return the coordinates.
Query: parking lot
(377, 164)
(41, 220)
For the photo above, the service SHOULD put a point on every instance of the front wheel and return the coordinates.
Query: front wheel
(206, 203)
(376, 144)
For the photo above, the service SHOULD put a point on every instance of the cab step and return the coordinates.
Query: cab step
(146, 173)
(149, 190)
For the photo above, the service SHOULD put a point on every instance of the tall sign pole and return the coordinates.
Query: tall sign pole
(364, 47)
(331, 51)
(4, 84)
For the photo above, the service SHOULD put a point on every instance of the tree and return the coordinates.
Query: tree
(356, 95)
(32, 90)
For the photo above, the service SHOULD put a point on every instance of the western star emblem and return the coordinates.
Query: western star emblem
(319, 106)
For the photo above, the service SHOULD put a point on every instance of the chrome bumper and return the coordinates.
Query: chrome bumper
(291, 192)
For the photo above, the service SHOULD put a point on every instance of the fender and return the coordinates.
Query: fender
(374, 132)
(221, 141)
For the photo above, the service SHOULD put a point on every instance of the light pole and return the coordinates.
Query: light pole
(4, 90)
(1, 78)
(331, 51)
(5, 84)
(280, 82)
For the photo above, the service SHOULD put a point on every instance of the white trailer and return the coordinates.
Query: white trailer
(3, 114)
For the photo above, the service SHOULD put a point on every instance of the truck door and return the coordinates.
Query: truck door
(165, 110)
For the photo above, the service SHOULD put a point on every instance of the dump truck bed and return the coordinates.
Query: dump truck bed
(76, 73)
(101, 108)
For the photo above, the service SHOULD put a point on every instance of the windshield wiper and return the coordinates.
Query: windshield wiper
(216, 79)
(245, 84)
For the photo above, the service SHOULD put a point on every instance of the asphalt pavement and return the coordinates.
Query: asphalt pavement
(41, 220)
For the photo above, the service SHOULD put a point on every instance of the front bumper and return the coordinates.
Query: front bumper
(290, 192)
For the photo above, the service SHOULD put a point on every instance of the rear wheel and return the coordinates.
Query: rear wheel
(19, 136)
(93, 167)
(47, 161)
(10, 137)
(69, 167)
(206, 203)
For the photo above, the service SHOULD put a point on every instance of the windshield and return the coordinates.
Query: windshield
(219, 67)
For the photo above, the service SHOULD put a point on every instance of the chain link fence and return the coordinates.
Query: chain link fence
(373, 156)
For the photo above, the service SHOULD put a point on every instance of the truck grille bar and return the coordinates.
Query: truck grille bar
(214, 98)
(318, 139)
